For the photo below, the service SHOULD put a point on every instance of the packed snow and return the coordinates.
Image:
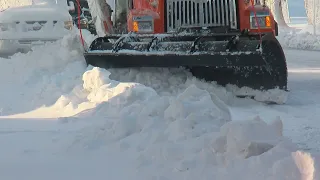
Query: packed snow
(63, 120)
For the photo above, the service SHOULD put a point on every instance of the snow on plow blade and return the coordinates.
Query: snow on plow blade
(240, 60)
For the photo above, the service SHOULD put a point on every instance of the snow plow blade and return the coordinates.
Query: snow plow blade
(244, 61)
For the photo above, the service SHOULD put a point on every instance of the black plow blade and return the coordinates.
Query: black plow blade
(240, 61)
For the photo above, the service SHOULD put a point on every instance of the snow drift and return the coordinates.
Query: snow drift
(39, 77)
(303, 39)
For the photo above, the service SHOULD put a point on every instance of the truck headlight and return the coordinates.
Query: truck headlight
(263, 19)
(68, 25)
(143, 24)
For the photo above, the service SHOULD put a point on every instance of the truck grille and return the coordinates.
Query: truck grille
(201, 13)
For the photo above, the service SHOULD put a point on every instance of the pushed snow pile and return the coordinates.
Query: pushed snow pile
(101, 88)
(115, 94)
(173, 145)
(129, 106)
(50, 57)
(172, 81)
(40, 76)
(187, 135)
(299, 39)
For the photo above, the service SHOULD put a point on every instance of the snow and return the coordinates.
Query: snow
(63, 120)
(4, 4)
(300, 36)
(19, 36)
(35, 13)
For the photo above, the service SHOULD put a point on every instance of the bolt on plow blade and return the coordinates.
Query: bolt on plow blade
(237, 61)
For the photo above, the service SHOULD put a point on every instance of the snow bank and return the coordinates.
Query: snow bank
(50, 57)
(38, 77)
(300, 38)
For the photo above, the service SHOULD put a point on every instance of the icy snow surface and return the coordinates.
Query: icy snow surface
(63, 120)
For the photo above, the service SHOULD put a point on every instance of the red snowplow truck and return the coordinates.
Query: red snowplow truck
(227, 41)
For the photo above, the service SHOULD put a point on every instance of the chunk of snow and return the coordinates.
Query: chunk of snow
(238, 140)
(300, 165)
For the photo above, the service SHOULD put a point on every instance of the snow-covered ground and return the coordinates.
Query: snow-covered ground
(63, 120)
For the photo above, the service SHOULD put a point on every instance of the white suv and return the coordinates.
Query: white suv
(25, 26)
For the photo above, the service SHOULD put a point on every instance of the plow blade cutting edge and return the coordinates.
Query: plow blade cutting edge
(240, 61)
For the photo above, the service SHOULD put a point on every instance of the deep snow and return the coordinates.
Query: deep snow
(63, 120)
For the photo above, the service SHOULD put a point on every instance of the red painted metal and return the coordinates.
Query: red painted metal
(145, 8)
